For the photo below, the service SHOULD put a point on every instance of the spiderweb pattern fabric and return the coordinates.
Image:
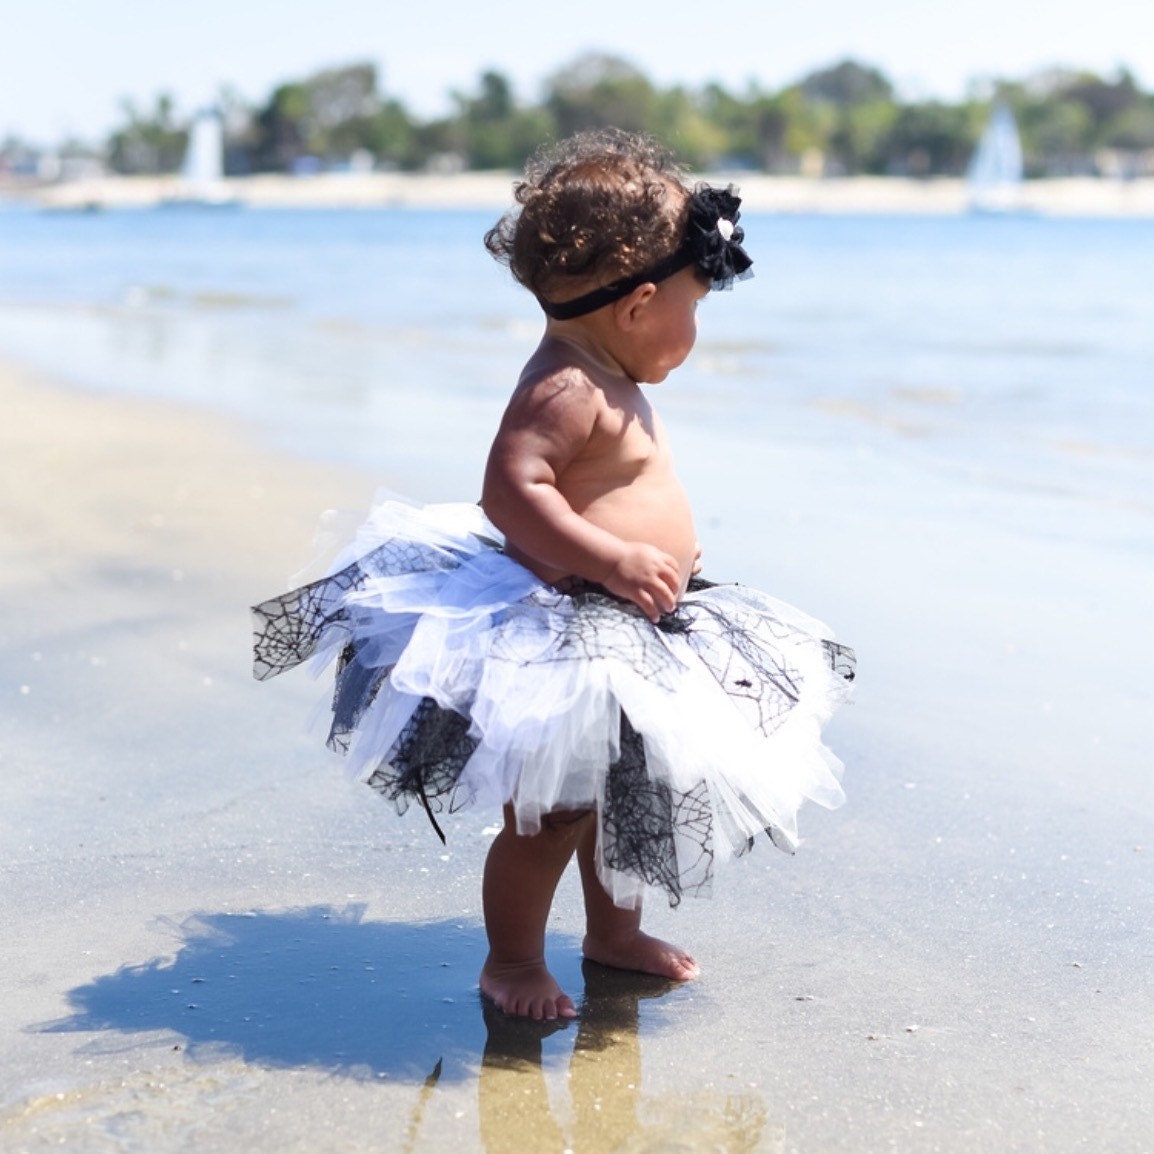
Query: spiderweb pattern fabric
(426, 760)
(288, 629)
(651, 831)
(461, 678)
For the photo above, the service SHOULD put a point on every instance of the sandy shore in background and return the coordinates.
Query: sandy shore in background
(214, 943)
(490, 190)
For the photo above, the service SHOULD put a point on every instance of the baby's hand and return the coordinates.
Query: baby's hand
(648, 577)
(696, 561)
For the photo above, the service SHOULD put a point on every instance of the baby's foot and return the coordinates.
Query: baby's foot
(638, 951)
(526, 989)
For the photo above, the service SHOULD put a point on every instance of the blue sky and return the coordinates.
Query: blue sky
(65, 65)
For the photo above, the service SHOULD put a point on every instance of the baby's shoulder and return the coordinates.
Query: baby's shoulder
(567, 406)
(558, 385)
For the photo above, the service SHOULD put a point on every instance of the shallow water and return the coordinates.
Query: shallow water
(1012, 351)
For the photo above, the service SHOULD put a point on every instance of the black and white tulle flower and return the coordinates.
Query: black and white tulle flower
(713, 237)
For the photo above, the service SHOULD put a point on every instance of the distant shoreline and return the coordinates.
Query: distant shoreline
(943, 196)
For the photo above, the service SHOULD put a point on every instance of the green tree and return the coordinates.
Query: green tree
(330, 115)
(387, 133)
(809, 124)
(493, 130)
(680, 122)
(861, 137)
(1066, 116)
(752, 126)
(598, 91)
(1103, 100)
(841, 118)
(282, 129)
(930, 138)
(1132, 128)
(1055, 132)
(847, 84)
(853, 111)
(150, 142)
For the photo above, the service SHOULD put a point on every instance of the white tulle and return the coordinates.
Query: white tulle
(543, 678)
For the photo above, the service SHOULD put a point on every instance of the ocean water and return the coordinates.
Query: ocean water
(1012, 353)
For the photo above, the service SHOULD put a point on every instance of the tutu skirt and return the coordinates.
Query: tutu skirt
(462, 678)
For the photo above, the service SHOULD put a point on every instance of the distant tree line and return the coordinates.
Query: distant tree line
(842, 120)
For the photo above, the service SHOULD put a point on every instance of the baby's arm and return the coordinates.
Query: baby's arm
(545, 426)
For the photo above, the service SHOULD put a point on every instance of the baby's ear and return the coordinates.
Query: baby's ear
(628, 309)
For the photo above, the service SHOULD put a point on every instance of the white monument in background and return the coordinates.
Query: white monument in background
(202, 181)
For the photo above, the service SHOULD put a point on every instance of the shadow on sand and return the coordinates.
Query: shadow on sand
(324, 988)
(320, 988)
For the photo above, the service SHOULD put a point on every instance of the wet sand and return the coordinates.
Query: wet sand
(215, 942)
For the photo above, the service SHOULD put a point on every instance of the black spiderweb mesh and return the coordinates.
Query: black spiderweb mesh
(288, 629)
(426, 760)
(649, 830)
(594, 632)
(842, 659)
(749, 654)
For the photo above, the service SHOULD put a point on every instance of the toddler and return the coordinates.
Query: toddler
(553, 650)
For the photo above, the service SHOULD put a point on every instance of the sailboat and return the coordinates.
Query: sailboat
(202, 182)
(995, 173)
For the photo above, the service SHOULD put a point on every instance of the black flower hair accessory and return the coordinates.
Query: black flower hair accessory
(713, 237)
(712, 242)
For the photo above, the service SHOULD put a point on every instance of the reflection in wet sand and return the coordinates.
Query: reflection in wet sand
(608, 1110)
(414, 1127)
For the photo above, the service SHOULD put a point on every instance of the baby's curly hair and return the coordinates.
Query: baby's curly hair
(593, 208)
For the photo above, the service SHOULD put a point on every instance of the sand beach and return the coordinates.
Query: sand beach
(1064, 197)
(215, 942)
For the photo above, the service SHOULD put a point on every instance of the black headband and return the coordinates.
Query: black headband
(712, 241)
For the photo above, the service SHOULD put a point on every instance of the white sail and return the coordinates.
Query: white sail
(995, 173)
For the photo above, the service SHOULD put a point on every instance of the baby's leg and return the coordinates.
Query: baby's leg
(613, 935)
(521, 876)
